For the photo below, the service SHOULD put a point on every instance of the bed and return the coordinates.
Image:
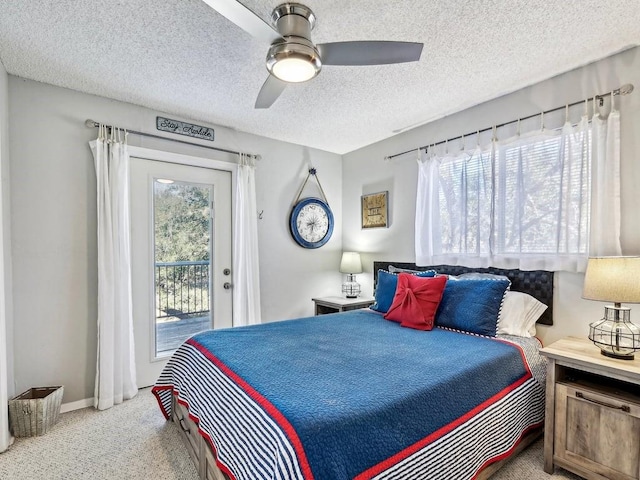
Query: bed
(353, 395)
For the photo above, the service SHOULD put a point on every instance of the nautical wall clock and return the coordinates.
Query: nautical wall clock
(311, 222)
(311, 219)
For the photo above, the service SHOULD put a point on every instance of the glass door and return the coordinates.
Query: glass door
(182, 253)
(181, 257)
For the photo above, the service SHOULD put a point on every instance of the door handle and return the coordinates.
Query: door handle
(226, 285)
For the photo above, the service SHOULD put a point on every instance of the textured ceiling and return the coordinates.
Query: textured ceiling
(182, 57)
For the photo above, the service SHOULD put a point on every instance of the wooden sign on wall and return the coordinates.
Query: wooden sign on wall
(183, 128)
(375, 210)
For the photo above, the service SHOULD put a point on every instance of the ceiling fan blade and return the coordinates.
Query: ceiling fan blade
(245, 19)
(369, 52)
(270, 91)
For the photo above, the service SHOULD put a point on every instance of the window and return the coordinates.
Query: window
(465, 203)
(523, 203)
(543, 194)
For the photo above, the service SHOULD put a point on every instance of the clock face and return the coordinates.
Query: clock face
(311, 223)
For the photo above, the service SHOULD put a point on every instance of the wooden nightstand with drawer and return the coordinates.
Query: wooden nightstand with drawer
(592, 425)
(340, 304)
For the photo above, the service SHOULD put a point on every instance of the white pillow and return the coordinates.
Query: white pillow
(519, 314)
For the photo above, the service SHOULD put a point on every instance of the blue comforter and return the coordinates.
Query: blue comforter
(375, 391)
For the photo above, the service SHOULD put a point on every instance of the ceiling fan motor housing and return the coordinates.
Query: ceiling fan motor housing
(294, 22)
(293, 19)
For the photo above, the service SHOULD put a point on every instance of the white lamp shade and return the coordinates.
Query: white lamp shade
(612, 279)
(351, 263)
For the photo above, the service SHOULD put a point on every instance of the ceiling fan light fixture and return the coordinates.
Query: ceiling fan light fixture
(295, 70)
(293, 62)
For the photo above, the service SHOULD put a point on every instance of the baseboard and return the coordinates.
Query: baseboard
(69, 407)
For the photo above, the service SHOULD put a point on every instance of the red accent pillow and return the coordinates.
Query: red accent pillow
(416, 301)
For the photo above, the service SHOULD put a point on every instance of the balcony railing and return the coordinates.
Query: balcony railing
(182, 289)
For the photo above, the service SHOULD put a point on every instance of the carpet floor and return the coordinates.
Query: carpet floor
(133, 441)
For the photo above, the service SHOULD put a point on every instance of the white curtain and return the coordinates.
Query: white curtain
(115, 367)
(604, 236)
(246, 280)
(523, 203)
(428, 240)
(454, 207)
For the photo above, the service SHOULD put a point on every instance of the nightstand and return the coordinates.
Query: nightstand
(592, 424)
(340, 304)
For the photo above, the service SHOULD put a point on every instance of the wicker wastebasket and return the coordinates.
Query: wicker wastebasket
(35, 411)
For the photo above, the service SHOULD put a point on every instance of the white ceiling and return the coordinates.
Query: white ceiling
(182, 57)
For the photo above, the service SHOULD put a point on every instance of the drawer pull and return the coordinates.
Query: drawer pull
(624, 408)
(183, 426)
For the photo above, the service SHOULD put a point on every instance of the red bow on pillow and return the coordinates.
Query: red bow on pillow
(416, 301)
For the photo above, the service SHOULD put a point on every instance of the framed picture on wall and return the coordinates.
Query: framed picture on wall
(375, 210)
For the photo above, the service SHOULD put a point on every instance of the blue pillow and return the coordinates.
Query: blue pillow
(472, 305)
(386, 288)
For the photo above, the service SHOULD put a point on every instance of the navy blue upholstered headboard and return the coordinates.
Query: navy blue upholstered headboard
(537, 283)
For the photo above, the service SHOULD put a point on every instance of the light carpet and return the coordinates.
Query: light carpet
(133, 441)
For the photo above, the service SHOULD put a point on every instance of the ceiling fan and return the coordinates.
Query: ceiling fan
(294, 58)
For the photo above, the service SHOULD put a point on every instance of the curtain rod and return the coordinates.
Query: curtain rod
(92, 124)
(623, 90)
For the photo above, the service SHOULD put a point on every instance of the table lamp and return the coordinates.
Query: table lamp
(351, 264)
(617, 280)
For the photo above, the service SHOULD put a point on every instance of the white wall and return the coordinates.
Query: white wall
(53, 225)
(365, 171)
(6, 342)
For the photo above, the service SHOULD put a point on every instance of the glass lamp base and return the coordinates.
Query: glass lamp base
(351, 288)
(615, 335)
